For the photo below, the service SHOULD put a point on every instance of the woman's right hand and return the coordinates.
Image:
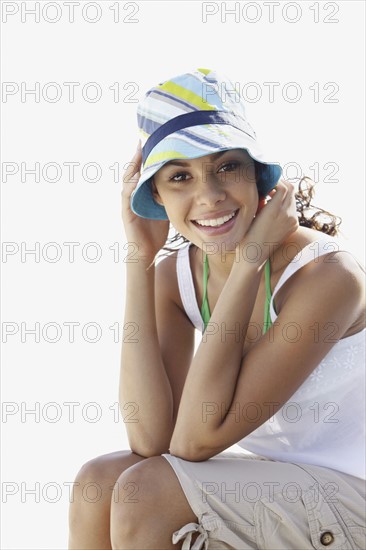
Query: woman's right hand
(148, 235)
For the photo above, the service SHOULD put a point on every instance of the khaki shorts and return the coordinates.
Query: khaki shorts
(246, 501)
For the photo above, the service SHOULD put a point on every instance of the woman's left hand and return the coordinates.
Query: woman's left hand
(275, 221)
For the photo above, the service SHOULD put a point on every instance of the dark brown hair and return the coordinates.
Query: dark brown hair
(320, 220)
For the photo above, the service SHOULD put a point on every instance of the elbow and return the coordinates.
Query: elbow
(148, 452)
(148, 449)
(191, 451)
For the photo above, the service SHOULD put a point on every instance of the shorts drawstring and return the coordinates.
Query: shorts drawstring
(187, 532)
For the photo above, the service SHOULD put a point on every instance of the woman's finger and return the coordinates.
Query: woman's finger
(279, 192)
(290, 190)
(134, 166)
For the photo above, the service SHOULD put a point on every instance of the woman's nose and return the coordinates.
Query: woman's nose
(209, 191)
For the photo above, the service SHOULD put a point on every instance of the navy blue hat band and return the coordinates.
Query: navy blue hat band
(194, 118)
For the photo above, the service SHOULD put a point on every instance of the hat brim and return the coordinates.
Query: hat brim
(197, 142)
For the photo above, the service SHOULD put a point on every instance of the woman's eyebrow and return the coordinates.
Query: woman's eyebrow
(184, 163)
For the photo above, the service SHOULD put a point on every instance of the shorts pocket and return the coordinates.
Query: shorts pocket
(328, 527)
(303, 520)
(354, 519)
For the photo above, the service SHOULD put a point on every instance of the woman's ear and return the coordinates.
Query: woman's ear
(155, 193)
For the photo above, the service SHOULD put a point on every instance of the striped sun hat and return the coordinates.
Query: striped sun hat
(189, 116)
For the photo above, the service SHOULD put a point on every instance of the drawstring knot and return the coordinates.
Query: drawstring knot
(187, 532)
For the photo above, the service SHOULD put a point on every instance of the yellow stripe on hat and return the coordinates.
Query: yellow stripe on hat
(164, 155)
(183, 93)
(204, 71)
(143, 136)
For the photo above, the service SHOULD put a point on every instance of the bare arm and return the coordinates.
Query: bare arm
(143, 380)
(154, 366)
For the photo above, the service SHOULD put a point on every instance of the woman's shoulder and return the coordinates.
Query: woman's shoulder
(166, 274)
(303, 238)
(180, 274)
(310, 245)
(312, 256)
(166, 266)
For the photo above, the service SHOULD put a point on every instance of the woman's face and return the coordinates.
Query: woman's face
(209, 199)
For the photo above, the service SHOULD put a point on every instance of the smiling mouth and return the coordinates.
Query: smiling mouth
(216, 222)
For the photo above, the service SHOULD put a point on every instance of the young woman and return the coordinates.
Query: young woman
(279, 369)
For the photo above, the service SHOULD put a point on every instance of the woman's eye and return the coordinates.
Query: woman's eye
(179, 176)
(229, 167)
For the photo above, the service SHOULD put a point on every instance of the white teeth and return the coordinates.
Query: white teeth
(217, 221)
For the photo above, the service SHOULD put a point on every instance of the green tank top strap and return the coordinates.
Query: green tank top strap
(205, 310)
(267, 315)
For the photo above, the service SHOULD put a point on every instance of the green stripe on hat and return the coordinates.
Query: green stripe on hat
(183, 93)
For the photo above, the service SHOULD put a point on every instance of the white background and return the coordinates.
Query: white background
(166, 39)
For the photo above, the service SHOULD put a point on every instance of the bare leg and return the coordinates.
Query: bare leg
(150, 507)
(89, 514)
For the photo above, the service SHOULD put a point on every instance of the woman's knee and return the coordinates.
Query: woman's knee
(146, 495)
(137, 483)
(106, 467)
(95, 480)
(136, 491)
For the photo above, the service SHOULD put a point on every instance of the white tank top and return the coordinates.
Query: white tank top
(324, 422)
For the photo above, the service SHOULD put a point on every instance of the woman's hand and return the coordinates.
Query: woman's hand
(275, 221)
(148, 235)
